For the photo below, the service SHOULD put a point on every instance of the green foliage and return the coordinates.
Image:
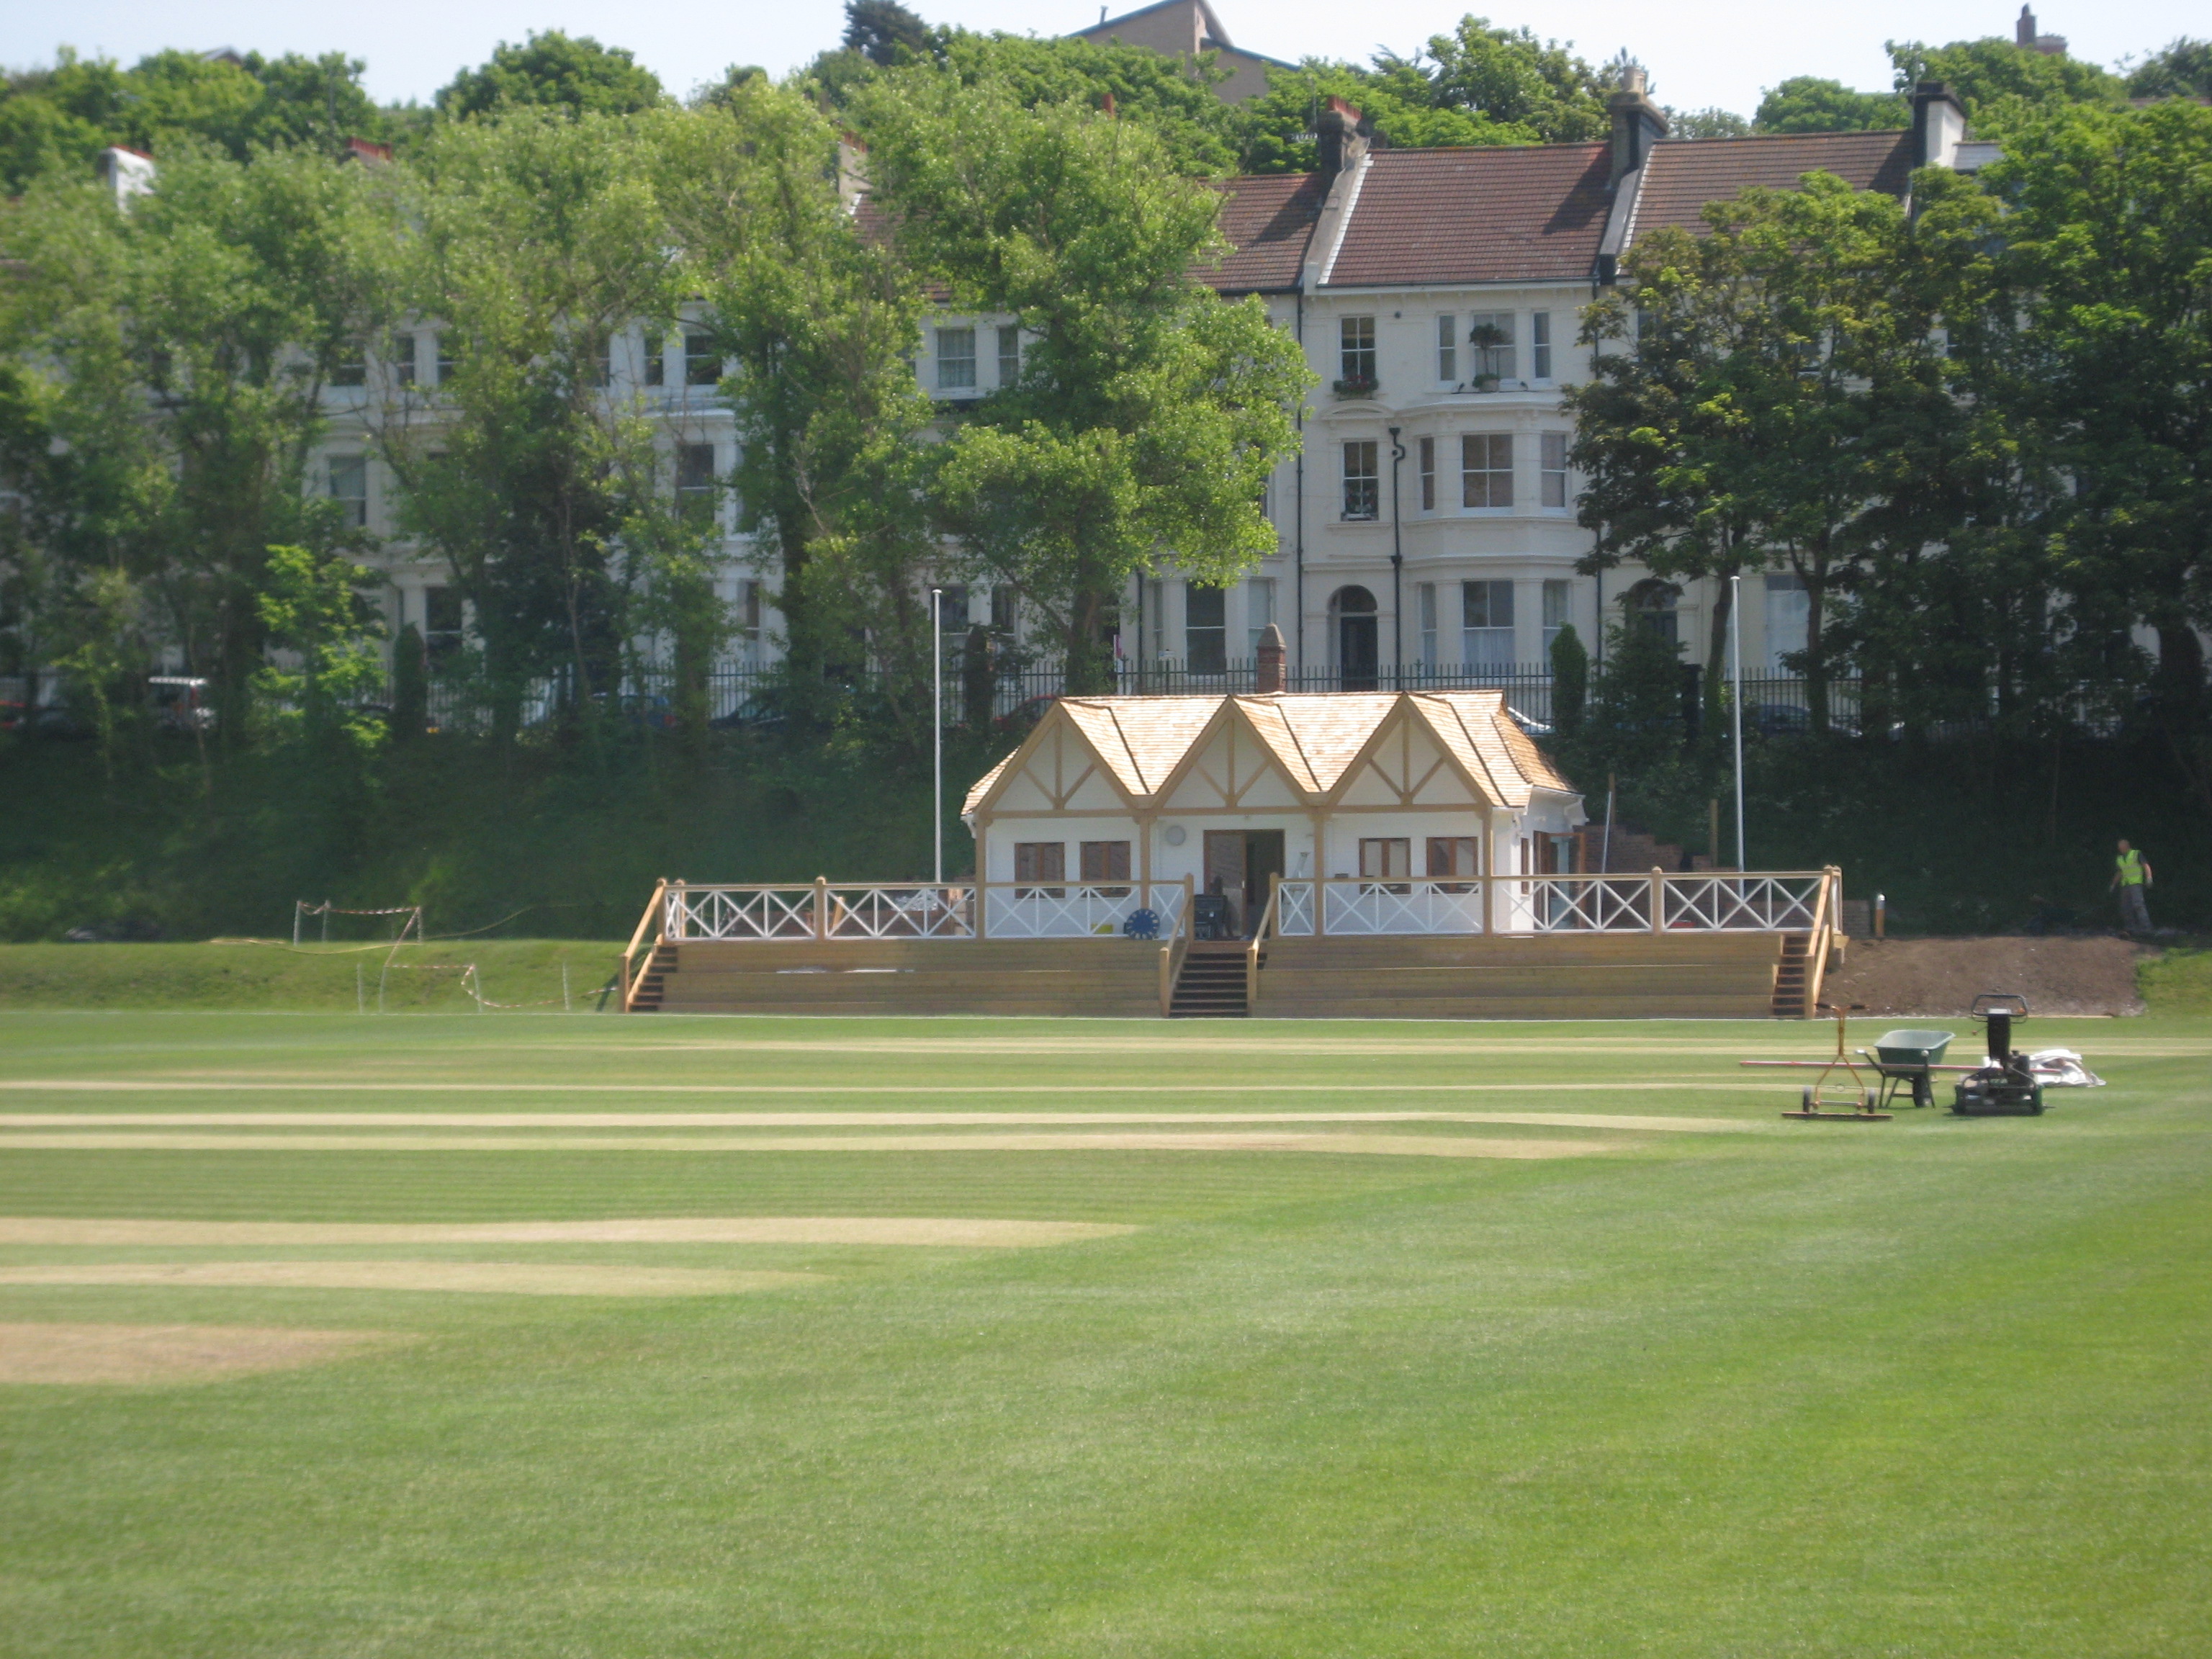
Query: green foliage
(53, 121)
(2002, 84)
(1150, 411)
(1775, 384)
(2183, 69)
(1711, 123)
(885, 33)
(175, 355)
(1570, 665)
(411, 685)
(554, 71)
(315, 614)
(818, 322)
(540, 240)
(1477, 85)
(1806, 103)
(2109, 249)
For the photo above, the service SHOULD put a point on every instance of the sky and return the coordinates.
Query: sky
(1701, 52)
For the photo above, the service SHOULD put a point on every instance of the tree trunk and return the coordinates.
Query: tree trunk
(1816, 662)
(1716, 653)
(2181, 707)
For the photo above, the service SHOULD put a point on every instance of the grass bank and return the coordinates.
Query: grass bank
(271, 975)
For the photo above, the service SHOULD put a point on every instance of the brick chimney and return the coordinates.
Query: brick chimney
(1339, 142)
(1268, 678)
(1637, 122)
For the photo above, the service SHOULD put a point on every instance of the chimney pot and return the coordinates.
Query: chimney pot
(1268, 677)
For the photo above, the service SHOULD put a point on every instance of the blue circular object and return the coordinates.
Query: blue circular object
(1142, 924)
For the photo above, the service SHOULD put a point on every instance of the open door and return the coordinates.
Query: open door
(1263, 857)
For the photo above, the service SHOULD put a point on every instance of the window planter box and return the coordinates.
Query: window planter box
(1351, 389)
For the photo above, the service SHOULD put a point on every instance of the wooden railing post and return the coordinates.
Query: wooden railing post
(1167, 979)
(821, 906)
(1658, 899)
(656, 919)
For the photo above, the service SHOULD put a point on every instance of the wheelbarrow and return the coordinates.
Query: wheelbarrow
(1907, 1061)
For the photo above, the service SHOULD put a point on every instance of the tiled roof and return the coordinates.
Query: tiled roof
(1680, 178)
(1316, 737)
(1533, 213)
(1268, 221)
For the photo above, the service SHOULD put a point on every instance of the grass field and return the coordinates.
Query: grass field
(1375, 1340)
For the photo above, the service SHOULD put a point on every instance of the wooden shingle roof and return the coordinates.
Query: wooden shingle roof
(1315, 737)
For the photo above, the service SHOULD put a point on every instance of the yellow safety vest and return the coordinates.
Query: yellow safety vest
(2130, 863)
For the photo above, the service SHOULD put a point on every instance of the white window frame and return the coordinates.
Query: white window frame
(1447, 350)
(950, 376)
(1489, 472)
(1485, 641)
(1551, 471)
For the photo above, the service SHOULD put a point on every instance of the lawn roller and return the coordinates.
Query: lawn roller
(1824, 1097)
(2006, 1087)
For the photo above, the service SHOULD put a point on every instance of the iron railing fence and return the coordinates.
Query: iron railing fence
(753, 694)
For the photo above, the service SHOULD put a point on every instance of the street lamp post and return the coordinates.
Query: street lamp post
(937, 729)
(1735, 707)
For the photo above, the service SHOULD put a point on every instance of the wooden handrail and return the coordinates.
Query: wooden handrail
(1816, 948)
(1259, 938)
(1173, 954)
(655, 917)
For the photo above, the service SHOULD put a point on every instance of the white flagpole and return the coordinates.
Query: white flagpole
(1735, 706)
(936, 726)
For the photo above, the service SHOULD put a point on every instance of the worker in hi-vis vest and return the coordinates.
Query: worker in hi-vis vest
(2131, 874)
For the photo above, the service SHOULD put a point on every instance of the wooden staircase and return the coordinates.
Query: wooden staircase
(1210, 985)
(1792, 981)
(653, 982)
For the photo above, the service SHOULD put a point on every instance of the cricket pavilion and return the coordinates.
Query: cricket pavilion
(1330, 854)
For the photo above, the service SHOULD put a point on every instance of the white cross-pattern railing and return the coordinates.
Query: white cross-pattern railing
(1575, 904)
(718, 913)
(1702, 901)
(1357, 908)
(1748, 902)
(1077, 909)
(1345, 906)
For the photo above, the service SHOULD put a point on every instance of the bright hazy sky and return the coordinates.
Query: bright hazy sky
(1701, 52)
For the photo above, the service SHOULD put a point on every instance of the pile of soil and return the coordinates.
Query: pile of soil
(1939, 978)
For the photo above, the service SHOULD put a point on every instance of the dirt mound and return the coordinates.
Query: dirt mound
(1940, 977)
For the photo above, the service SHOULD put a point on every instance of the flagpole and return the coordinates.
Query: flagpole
(937, 728)
(1735, 707)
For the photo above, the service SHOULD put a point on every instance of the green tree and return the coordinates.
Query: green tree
(1477, 85)
(182, 347)
(2001, 83)
(2182, 69)
(1754, 410)
(885, 33)
(1806, 103)
(1709, 123)
(314, 612)
(2108, 237)
(1149, 413)
(817, 321)
(540, 243)
(1570, 665)
(55, 120)
(553, 70)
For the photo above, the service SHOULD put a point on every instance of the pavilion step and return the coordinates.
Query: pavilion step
(1211, 986)
(1789, 977)
(653, 983)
